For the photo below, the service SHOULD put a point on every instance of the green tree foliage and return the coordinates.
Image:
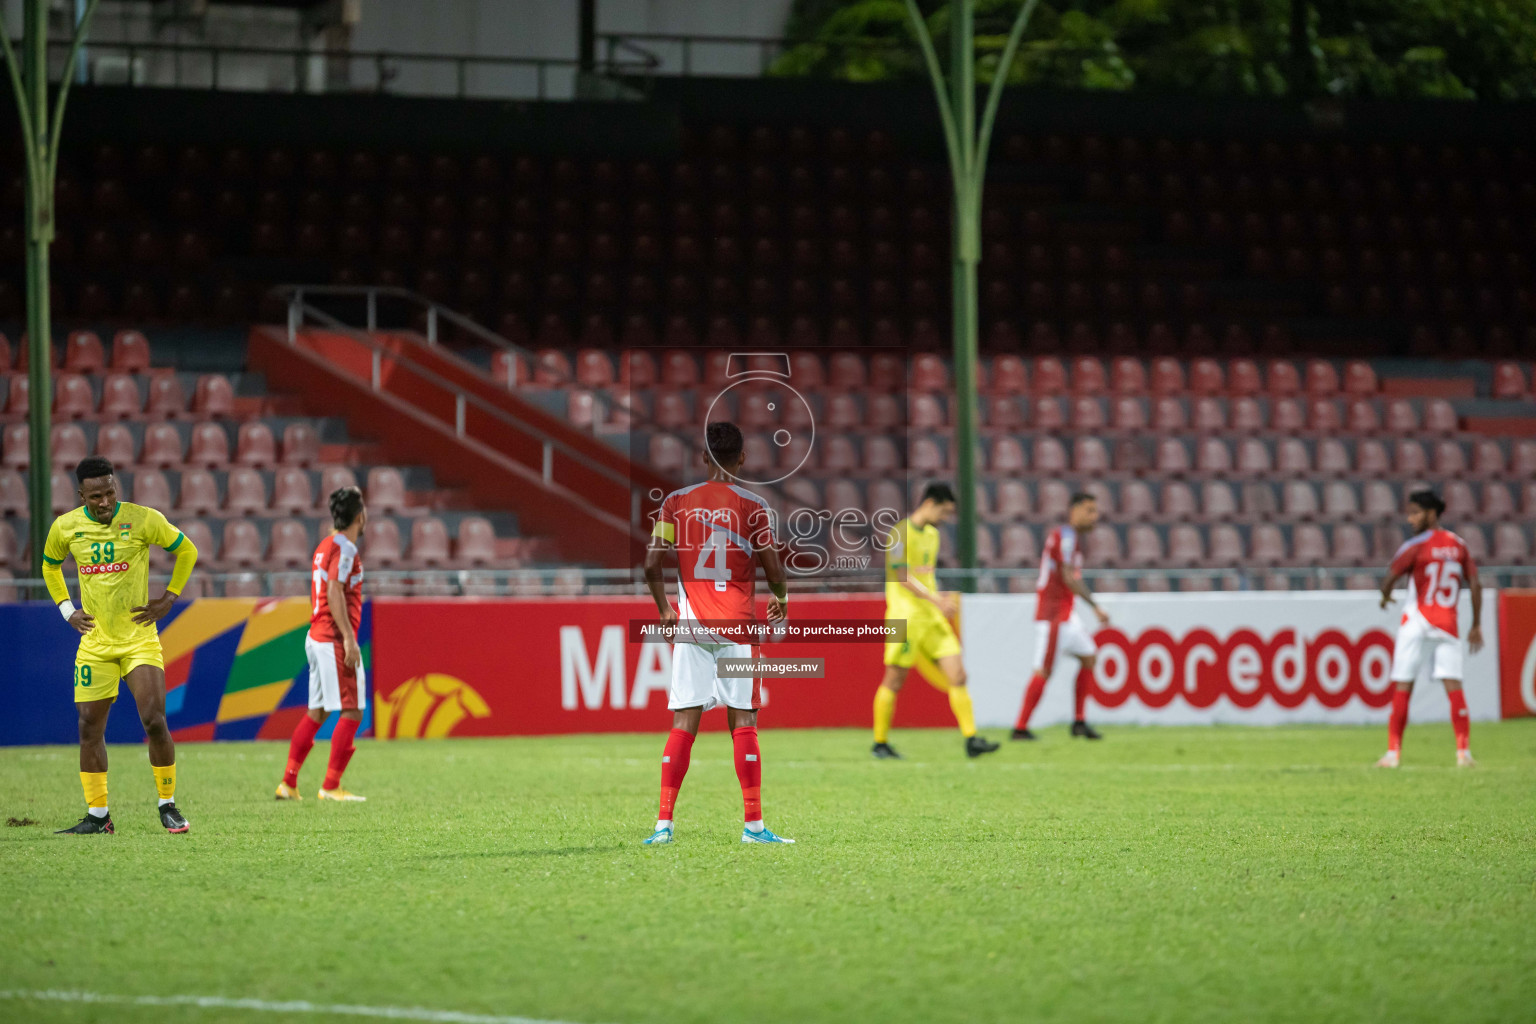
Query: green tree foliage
(1455, 49)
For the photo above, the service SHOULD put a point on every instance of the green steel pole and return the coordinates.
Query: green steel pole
(967, 254)
(39, 235)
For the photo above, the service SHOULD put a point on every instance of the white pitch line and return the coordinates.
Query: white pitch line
(268, 1006)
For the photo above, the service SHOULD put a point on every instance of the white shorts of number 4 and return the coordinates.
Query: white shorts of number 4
(1055, 639)
(695, 683)
(1417, 640)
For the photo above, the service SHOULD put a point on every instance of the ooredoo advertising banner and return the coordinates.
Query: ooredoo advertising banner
(1517, 653)
(1240, 658)
(516, 667)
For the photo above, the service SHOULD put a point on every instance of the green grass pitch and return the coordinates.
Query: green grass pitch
(1201, 874)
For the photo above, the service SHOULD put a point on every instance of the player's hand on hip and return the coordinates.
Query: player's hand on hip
(668, 621)
(1386, 599)
(1103, 616)
(776, 609)
(1475, 639)
(352, 654)
(144, 614)
(949, 604)
(83, 621)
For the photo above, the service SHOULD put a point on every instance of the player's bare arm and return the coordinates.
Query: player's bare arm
(655, 555)
(1386, 588)
(773, 571)
(1475, 591)
(336, 600)
(1079, 586)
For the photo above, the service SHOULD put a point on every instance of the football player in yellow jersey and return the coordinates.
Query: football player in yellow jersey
(911, 552)
(119, 643)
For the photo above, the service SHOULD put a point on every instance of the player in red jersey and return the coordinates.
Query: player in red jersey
(1436, 563)
(721, 532)
(1056, 631)
(336, 678)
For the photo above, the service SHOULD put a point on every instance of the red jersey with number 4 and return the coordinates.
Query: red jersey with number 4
(335, 559)
(1438, 565)
(1053, 598)
(717, 528)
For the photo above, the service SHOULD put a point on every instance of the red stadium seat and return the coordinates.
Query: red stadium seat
(1050, 456)
(72, 397)
(115, 443)
(1178, 501)
(130, 352)
(1213, 455)
(1172, 456)
(385, 489)
(1137, 501)
(886, 372)
(1050, 414)
(301, 444)
(290, 545)
(1359, 379)
(214, 397)
(1168, 416)
(17, 402)
(1143, 545)
(1510, 544)
(166, 399)
(1129, 414)
(66, 493)
(1440, 417)
(926, 455)
(1401, 417)
(1340, 500)
(881, 456)
(5, 353)
(1292, 457)
(1002, 412)
(1127, 376)
(1217, 500)
(1206, 378)
(510, 369)
(1103, 547)
(1088, 376)
(1017, 546)
(291, 492)
(67, 444)
(1209, 417)
(381, 542)
(245, 492)
(1509, 381)
(199, 492)
(1361, 417)
(1243, 378)
(667, 454)
(843, 495)
(1522, 464)
(1050, 376)
(552, 369)
(1410, 459)
(14, 450)
(1089, 456)
(925, 412)
(1168, 376)
(1332, 457)
(1007, 456)
(1253, 457)
(839, 455)
(120, 399)
(255, 445)
(210, 446)
(1322, 379)
(1268, 545)
(162, 446)
(1349, 545)
(1088, 414)
(1286, 416)
(332, 479)
(242, 544)
(1488, 458)
(83, 353)
(846, 371)
(429, 541)
(929, 372)
(1226, 547)
(1013, 500)
(593, 369)
(1309, 545)
(1323, 417)
(476, 542)
(1009, 376)
(1054, 500)
(1378, 500)
(1186, 546)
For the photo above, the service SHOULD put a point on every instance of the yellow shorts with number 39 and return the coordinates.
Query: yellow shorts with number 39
(98, 673)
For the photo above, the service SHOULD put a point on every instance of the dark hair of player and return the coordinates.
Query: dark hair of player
(1428, 500)
(1080, 497)
(346, 506)
(939, 492)
(724, 441)
(93, 466)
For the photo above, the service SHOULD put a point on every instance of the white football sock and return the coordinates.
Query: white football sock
(755, 826)
(662, 823)
(98, 812)
(164, 802)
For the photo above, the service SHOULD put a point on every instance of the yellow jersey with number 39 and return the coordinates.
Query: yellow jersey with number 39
(911, 552)
(113, 564)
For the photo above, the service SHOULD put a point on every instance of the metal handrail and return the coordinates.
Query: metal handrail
(573, 581)
(381, 59)
(462, 400)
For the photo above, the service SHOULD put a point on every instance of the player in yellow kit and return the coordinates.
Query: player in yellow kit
(110, 541)
(911, 552)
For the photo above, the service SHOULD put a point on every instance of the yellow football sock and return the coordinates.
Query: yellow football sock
(885, 710)
(960, 704)
(165, 780)
(95, 786)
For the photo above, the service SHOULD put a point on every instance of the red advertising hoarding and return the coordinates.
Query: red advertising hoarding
(1517, 653)
(520, 667)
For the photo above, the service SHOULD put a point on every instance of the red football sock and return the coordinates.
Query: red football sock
(341, 751)
(1399, 720)
(1031, 698)
(674, 765)
(749, 770)
(1080, 695)
(298, 748)
(1460, 721)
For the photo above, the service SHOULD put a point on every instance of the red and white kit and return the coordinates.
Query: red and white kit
(717, 529)
(332, 685)
(1438, 564)
(1056, 630)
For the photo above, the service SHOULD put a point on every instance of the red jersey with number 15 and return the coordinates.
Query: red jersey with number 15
(1438, 564)
(717, 528)
(335, 559)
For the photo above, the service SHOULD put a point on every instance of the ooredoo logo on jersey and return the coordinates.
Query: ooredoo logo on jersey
(106, 567)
